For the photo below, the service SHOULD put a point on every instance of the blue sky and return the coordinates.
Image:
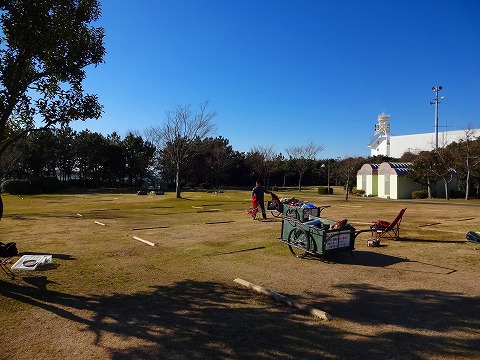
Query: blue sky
(285, 73)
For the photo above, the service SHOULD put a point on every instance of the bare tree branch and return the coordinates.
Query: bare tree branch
(304, 157)
(176, 137)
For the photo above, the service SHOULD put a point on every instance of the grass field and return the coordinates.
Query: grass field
(107, 295)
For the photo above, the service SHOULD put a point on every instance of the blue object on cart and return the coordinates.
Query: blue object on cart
(473, 236)
(316, 222)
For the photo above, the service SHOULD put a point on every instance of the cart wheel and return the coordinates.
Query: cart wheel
(293, 213)
(276, 213)
(298, 242)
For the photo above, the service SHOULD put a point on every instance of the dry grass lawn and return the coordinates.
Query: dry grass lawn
(109, 296)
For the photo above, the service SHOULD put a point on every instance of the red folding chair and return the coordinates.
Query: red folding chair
(382, 229)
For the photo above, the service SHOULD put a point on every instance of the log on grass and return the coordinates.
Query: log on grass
(144, 241)
(291, 302)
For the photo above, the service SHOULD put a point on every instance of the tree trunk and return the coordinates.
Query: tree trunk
(177, 183)
(347, 185)
(467, 185)
(1, 207)
(446, 189)
(429, 189)
(346, 190)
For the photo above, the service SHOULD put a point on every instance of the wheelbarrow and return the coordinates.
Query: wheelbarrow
(318, 237)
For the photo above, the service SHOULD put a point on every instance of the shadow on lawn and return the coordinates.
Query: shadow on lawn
(432, 241)
(374, 259)
(198, 320)
(365, 258)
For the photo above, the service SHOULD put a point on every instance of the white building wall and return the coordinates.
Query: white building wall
(379, 147)
(360, 182)
(412, 143)
(415, 143)
(384, 185)
(393, 187)
(369, 183)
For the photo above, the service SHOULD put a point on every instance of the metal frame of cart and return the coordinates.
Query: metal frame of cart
(318, 240)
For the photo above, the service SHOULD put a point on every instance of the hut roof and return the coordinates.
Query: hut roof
(394, 168)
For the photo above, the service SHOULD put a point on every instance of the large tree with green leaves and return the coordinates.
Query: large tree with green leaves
(138, 158)
(45, 47)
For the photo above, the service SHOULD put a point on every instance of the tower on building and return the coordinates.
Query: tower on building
(380, 141)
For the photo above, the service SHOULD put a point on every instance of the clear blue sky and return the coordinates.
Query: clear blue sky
(289, 72)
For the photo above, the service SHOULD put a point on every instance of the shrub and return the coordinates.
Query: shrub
(78, 184)
(17, 187)
(420, 194)
(457, 194)
(358, 192)
(46, 185)
(206, 186)
(323, 190)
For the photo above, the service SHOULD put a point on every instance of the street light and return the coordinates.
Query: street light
(328, 177)
(436, 102)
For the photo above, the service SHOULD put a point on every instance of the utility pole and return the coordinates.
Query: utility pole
(435, 102)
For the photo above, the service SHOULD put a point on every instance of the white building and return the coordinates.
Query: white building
(389, 180)
(367, 179)
(384, 143)
(393, 183)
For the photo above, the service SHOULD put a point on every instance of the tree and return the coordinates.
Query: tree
(90, 154)
(45, 47)
(444, 167)
(467, 152)
(407, 157)
(65, 151)
(347, 169)
(138, 156)
(263, 161)
(10, 160)
(114, 162)
(176, 138)
(217, 160)
(40, 153)
(304, 157)
(422, 170)
(432, 166)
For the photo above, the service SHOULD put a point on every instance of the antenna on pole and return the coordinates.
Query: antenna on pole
(435, 102)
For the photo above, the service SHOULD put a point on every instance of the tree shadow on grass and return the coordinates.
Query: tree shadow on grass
(199, 320)
(418, 323)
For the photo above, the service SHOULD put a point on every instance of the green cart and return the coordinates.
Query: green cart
(318, 236)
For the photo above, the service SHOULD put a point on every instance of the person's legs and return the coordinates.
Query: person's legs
(262, 208)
